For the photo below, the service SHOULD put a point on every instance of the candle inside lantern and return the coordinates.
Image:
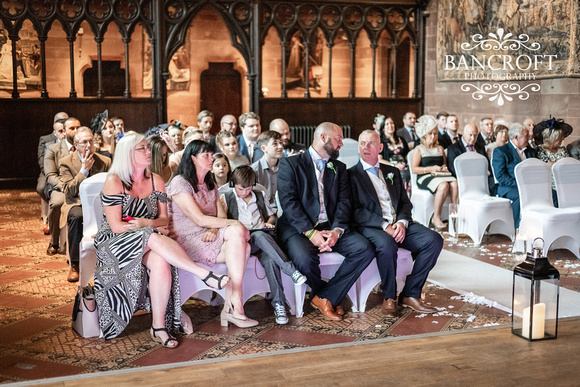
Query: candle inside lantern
(537, 322)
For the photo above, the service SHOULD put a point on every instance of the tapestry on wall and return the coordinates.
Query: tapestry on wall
(28, 63)
(507, 40)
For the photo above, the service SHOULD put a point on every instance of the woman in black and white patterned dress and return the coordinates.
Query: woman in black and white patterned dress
(129, 242)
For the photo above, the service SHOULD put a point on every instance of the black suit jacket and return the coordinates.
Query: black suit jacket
(366, 206)
(295, 148)
(444, 140)
(457, 149)
(481, 141)
(243, 150)
(298, 194)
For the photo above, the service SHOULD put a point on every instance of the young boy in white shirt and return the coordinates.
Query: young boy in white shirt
(251, 207)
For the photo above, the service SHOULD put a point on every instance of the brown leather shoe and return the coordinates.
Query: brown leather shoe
(73, 275)
(416, 304)
(339, 310)
(51, 250)
(389, 308)
(325, 307)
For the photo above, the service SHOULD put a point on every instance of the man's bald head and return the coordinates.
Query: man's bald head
(327, 140)
(60, 116)
(229, 123)
(470, 133)
(281, 126)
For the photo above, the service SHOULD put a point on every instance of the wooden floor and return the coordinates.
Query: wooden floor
(482, 358)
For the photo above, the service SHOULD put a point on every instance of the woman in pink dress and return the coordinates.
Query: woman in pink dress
(198, 223)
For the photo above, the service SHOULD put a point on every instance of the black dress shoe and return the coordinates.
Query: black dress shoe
(52, 250)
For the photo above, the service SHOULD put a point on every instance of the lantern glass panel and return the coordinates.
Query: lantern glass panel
(535, 308)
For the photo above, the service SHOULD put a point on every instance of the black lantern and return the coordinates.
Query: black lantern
(535, 298)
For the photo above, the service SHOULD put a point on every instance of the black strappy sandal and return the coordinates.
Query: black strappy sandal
(160, 340)
(219, 280)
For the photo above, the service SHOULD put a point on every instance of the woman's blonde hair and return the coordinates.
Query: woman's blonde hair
(124, 161)
(551, 137)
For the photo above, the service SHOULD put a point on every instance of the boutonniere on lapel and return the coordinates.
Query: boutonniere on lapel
(330, 165)
(390, 176)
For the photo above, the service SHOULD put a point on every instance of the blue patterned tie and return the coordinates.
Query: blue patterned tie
(374, 171)
(320, 164)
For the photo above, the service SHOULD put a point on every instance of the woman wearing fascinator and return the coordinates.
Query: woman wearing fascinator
(104, 134)
(429, 163)
(548, 135)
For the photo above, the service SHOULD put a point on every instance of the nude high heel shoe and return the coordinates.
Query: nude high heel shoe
(229, 315)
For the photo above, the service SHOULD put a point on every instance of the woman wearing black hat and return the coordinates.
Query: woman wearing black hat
(549, 135)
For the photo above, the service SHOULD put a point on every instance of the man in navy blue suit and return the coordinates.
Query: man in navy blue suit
(505, 158)
(382, 213)
(248, 140)
(314, 194)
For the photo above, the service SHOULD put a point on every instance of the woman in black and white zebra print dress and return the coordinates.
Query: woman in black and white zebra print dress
(130, 241)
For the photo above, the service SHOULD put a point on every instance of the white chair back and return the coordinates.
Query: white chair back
(534, 178)
(566, 174)
(90, 195)
(413, 175)
(349, 152)
(471, 169)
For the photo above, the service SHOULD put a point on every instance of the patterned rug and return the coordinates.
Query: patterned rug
(36, 340)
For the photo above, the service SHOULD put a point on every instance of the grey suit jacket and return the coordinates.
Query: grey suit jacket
(54, 152)
(42, 144)
(405, 135)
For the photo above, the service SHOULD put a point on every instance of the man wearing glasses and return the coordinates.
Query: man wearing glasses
(75, 168)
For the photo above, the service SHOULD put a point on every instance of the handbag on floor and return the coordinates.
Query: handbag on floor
(85, 319)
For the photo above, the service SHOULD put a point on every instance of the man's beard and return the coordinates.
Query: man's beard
(333, 153)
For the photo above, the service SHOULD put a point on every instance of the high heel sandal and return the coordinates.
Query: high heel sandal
(219, 280)
(160, 340)
(230, 315)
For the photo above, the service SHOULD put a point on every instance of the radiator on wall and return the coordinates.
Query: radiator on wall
(303, 134)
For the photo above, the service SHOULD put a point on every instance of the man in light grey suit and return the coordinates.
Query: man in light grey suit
(55, 152)
(74, 168)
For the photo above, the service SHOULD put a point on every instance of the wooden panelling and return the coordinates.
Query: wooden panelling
(25, 120)
(359, 113)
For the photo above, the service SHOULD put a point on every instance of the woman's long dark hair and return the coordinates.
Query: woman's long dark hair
(384, 139)
(186, 167)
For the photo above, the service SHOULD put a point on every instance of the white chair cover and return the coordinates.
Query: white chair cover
(559, 227)
(295, 294)
(255, 282)
(349, 152)
(423, 200)
(566, 173)
(477, 209)
(90, 195)
(370, 277)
